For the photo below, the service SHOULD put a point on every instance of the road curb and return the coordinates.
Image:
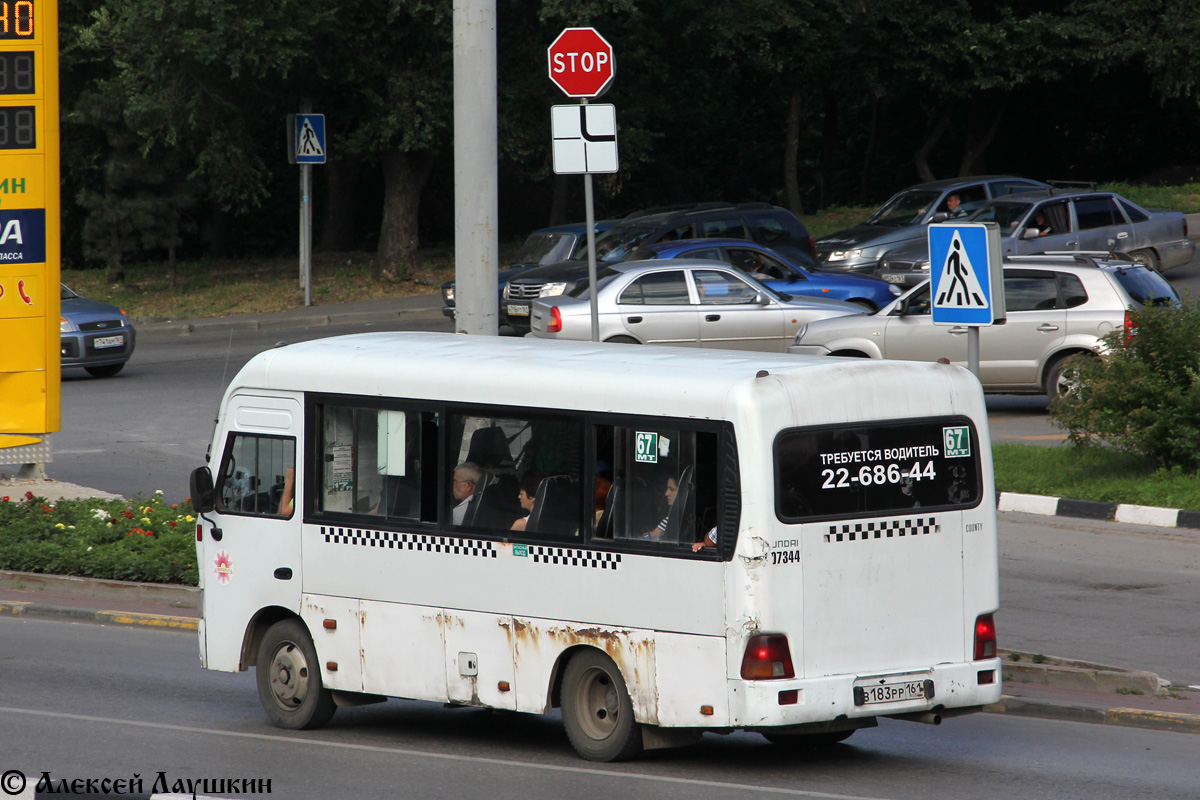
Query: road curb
(126, 618)
(1090, 509)
(1068, 712)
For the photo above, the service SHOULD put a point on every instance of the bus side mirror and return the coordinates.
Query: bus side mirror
(202, 490)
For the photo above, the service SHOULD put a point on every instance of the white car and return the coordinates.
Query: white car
(692, 303)
(1057, 307)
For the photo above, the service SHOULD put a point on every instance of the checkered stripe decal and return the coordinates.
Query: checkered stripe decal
(882, 529)
(567, 557)
(390, 540)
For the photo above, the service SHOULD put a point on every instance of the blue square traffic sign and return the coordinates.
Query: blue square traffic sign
(310, 139)
(965, 280)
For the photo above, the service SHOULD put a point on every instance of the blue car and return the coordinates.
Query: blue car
(544, 246)
(96, 336)
(772, 269)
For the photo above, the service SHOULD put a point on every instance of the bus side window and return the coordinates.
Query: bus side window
(373, 462)
(254, 472)
(664, 485)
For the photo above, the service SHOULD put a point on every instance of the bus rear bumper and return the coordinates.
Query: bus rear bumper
(781, 703)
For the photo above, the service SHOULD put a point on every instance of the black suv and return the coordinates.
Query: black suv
(769, 225)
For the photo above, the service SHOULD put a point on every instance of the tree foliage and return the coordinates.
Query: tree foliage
(807, 103)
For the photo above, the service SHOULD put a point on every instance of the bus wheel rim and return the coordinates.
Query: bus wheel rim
(289, 676)
(600, 703)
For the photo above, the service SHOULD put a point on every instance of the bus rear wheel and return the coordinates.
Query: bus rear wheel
(597, 711)
(289, 678)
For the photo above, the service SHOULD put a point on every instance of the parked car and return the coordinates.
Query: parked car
(774, 270)
(544, 246)
(692, 303)
(774, 227)
(769, 225)
(1063, 221)
(1058, 306)
(903, 218)
(95, 335)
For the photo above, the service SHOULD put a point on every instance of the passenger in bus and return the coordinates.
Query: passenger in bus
(466, 478)
(286, 499)
(708, 541)
(671, 492)
(525, 496)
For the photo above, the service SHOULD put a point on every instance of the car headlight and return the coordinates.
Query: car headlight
(894, 289)
(553, 289)
(923, 265)
(800, 334)
(842, 255)
(504, 291)
(64, 325)
(448, 294)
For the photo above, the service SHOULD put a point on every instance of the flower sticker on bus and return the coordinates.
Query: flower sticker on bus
(223, 567)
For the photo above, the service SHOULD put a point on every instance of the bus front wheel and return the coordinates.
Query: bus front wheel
(289, 678)
(597, 711)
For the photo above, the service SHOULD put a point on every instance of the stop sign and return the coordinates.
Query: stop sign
(581, 62)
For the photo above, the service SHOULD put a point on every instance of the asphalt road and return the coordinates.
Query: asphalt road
(95, 702)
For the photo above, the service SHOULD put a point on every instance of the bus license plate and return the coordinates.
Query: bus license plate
(108, 341)
(518, 311)
(891, 690)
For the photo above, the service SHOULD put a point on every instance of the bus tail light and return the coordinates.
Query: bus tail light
(767, 657)
(985, 637)
(555, 323)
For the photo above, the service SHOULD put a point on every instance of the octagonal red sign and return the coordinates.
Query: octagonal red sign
(582, 63)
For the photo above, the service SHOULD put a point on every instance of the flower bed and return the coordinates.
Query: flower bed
(132, 540)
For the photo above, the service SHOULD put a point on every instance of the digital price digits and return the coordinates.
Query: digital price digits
(16, 19)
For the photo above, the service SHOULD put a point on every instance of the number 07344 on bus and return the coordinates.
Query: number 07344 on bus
(659, 541)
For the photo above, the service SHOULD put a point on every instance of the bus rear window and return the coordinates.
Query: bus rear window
(876, 469)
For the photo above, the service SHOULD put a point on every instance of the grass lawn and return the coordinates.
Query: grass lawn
(1096, 473)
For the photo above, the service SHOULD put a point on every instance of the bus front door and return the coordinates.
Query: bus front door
(250, 560)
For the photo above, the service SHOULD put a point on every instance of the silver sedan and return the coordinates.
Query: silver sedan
(690, 303)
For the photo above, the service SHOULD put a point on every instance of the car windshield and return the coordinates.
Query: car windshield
(65, 293)
(1006, 215)
(1146, 286)
(616, 243)
(906, 208)
(546, 248)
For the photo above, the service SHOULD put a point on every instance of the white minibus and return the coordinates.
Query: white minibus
(659, 541)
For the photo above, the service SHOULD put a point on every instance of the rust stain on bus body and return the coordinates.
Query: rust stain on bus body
(632, 651)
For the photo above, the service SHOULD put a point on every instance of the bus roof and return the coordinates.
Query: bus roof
(582, 375)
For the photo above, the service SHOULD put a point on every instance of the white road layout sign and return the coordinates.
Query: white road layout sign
(585, 138)
(966, 281)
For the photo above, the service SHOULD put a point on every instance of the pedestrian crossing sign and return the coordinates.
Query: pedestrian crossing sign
(307, 138)
(965, 277)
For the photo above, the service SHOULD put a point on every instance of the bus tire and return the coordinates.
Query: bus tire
(289, 678)
(807, 741)
(597, 711)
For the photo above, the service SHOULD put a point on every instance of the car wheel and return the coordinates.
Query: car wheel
(106, 371)
(1055, 383)
(865, 303)
(622, 340)
(596, 709)
(807, 741)
(1147, 257)
(289, 678)
(849, 354)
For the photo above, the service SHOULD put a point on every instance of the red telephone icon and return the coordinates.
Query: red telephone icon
(21, 291)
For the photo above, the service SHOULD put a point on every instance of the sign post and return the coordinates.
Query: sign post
(582, 64)
(30, 250)
(966, 279)
(306, 146)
